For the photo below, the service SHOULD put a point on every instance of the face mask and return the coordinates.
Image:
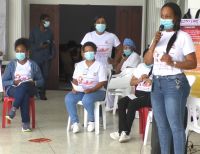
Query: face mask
(46, 24)
(89, 55)
(167, 23)
(100, 27)
(148, 66)
(20, 56)
(127, 52)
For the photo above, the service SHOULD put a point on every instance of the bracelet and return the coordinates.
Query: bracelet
(174, 63)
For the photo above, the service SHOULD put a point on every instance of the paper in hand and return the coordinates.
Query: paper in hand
(77, 88)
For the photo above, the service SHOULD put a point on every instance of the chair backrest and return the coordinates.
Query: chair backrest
(193, 106)
(191, 79)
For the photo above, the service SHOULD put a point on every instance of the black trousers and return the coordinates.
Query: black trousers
(44, 67)
(155, 145)
(127, 109)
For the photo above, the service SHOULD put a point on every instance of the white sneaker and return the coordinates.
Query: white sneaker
(75, 127)
(108, 109)
(124, 137)
(115, 135)
(90, 127)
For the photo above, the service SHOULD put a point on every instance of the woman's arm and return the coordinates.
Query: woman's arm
(148, 58)
(119, 65)
(7, 76)
(97, 87)
(190, 61)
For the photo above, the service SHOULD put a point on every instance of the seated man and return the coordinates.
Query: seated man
(127, 106)
(20, 79)
(88, 80)
(129, 58)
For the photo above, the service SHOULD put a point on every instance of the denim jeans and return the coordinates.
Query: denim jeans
(88, 100)
(168, 97)
(21, 94)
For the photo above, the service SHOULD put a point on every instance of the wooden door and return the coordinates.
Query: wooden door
(53, 11)
(129, 24)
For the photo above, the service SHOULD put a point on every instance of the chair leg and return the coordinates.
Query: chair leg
(68, 124)
(85, 118)
(4, 114)
(33, 113)
(104, 115)
(8, 106)
(115, 104)
(147, 129)
(96, 113)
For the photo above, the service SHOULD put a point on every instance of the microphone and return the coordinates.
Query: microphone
(161, 28)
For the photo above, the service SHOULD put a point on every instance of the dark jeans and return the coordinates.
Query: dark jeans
(155, 145)
(44, 67)
(21, 94)
(127, 109)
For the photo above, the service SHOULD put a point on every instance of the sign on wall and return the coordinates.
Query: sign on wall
(192, 27)
(3, 15)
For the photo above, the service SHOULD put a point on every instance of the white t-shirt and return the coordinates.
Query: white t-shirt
(132, 61)
(104, 42)
(181, 47)
(140, 70)
(23, 72)
(88, 77)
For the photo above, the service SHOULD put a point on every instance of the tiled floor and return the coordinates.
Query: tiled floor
(51, 121)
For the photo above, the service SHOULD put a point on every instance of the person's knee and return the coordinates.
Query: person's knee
(122, 101)
(69, 98)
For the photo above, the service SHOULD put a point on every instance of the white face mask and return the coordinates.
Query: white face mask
(46, 24)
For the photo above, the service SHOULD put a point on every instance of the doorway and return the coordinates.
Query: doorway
(74, 21)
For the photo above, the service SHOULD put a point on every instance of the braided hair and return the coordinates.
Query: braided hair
(177, 13)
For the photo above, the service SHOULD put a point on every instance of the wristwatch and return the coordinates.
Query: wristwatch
(174, 63)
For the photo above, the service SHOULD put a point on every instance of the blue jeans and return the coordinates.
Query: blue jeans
(21, 94)
(88, 101)
(168, 97)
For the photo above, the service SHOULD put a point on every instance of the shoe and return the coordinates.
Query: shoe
(75, 128)
(115, 135)
(43, 98)
(11, 114)
(26, 127)
(124, 137)
(91, 126)
(108, 109)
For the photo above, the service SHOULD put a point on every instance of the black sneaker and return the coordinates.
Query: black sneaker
(11, 115)
(26, 127)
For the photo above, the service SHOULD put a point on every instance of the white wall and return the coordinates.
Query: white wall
(25, 20)
(194, 5)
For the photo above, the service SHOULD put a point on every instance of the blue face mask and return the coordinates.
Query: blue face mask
(148, 66)
(20, 56)
(100, 27)
(167, 23)
(127, 52)
(89, 55)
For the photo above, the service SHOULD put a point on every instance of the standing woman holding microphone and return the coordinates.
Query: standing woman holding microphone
(171, 52)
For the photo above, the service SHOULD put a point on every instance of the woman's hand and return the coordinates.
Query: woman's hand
(74, 91)
(167, 59)
(147, 82)
(87, 91)
(157, 37)
(16, 82)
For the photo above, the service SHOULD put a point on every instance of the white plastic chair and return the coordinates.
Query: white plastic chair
(149, 120)
(191, 79)
(96, 115)
(193, 122)
(96, 112)
(120, 86)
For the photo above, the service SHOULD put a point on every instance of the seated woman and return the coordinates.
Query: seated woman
(129, 58)
(20, 79)
(127, 106)
(90, 76)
